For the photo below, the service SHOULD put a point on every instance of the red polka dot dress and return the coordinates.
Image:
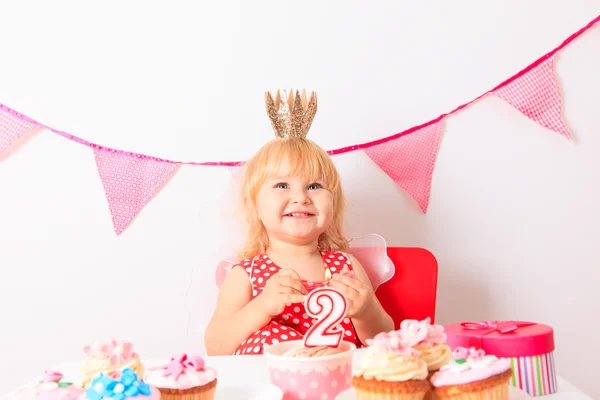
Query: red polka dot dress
(293, 322)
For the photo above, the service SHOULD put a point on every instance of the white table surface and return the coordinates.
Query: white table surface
(253, 368)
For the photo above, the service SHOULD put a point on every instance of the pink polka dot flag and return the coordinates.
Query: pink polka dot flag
(12, 127)
(536, 94)
(409, 161)
(130, 181)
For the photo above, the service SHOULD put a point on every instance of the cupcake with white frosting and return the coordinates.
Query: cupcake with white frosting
(183, 378)
(110, 359)
(473, 375)
(391, 369)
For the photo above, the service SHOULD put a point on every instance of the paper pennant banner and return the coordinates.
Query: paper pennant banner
(409, 161)
(130, 181)
(536, 94)
(12, 128)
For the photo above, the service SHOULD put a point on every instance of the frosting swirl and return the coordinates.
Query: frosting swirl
(318, 351)
(110, 359)
(181, 372)
(390, 366)
(428, 341)
(435, 355)
(469, 366)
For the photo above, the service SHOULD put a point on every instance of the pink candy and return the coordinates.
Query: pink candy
(52, 376)
(395, 342)
(471, 354)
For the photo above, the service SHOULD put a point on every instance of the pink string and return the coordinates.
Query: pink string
(331, 152)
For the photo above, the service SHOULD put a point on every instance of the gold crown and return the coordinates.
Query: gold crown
(291, 116)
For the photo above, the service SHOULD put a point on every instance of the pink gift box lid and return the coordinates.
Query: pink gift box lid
(502, 338)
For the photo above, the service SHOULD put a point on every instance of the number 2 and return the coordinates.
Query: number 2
(329, 307)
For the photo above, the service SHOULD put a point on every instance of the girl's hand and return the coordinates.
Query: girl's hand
(359, 295)
(284, 287)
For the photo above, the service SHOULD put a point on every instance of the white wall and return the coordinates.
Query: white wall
(513, 217)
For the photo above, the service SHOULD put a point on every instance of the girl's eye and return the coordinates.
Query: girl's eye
(281, 185)
(314, 186)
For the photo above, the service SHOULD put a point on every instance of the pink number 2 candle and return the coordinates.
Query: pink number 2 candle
(329, 307)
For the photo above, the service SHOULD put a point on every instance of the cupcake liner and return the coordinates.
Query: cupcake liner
(360, 395)
(372, 389)
(204, 392)
(431, 394)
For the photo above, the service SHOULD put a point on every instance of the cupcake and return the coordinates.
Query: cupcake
(122, 385)
(473, 375)
(49, 386)
(183, 378)
(391, 369)
(110, 359)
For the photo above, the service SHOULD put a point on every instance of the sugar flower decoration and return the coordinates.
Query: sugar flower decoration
(128, 385)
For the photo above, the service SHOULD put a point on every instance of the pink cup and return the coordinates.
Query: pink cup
(318, 378)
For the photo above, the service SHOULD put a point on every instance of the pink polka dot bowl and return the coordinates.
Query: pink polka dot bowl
(310, 378)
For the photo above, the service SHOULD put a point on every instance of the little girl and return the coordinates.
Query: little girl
(294, 203)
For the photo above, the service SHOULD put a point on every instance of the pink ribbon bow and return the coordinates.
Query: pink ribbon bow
(502, 326)
(177, 365)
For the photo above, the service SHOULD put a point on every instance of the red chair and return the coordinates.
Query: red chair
(411, 293)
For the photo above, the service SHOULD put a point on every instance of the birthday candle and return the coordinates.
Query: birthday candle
(329, 307)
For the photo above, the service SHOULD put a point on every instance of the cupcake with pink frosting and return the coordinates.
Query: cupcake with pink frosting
(50, 386)
(391, 368)
(183, 378)
(473, 375)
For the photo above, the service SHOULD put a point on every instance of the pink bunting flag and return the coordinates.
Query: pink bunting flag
(12, 127)
(130, 181)
(409, 160)
(536, 94)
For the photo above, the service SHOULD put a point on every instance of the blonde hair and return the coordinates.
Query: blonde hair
(307, 160)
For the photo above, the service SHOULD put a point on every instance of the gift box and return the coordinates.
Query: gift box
(528, 345)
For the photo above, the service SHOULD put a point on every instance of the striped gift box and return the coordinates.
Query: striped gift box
(535, 375)
(528, 345)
